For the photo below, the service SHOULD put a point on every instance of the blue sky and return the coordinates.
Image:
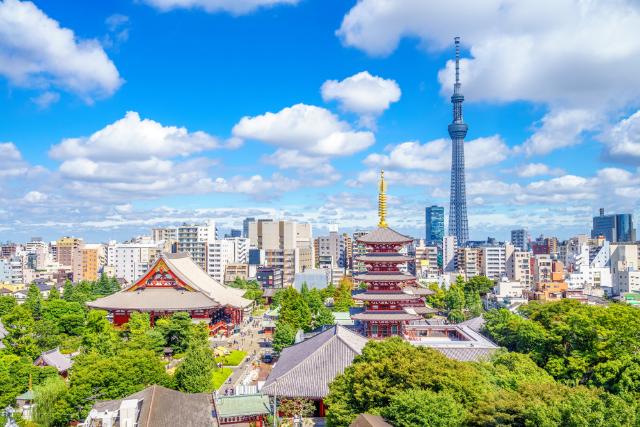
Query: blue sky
(122, 115)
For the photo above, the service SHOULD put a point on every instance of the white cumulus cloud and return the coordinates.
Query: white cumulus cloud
(536, 169)
(235, 7)
(133, 138)
(306, 128)
(435, 156)
(623, 139)
(36, 51)
(363, 94)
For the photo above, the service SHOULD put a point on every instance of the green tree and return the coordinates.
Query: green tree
(51, 407)
(177, 330)
(21, 337)
(482, 284)
(437, 299)
(324, 316)
(454, 297)
(34, 301)
(54, 294)
(342, 299)
(7, 304)
(67, 291)
(15, 374)
(194, 374)
(426, 408)
(284, 335)
(294, 310)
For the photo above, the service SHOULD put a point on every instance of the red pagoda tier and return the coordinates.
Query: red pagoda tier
(392, 298)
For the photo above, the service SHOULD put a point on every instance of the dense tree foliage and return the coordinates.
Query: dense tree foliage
(194, 374)
(416, 386)
(576, 343)
(110, 362)
(462, 300)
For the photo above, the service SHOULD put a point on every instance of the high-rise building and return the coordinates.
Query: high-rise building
(520, 238)
(168, 234)
(333, 247)
(494, 261)
(221, 253)
(469, 261)
(287, 245)
(458, 224)
(615, 228)
(70, 255)
(245, 226)
(434, 225)
(449, 254)
(194, 240)
(131, 260)
(93, 259)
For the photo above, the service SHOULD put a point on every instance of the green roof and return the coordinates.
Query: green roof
(268, 324)
(236, 406)
(632, 297)
(273, 312)
(27, 395)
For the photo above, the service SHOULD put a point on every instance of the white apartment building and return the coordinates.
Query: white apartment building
(449, 253)
(334, 246)
(626, 281)
(194, 240)
(426, 260)
(131, 260)
(494, 261)
(518, 266)
(220, 253)
(468, 261)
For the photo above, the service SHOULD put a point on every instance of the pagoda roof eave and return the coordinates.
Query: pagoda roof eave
(383, 235)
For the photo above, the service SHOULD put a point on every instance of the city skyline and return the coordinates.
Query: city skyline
(149, 116)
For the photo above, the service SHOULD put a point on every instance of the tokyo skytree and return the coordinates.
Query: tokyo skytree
(458, 224)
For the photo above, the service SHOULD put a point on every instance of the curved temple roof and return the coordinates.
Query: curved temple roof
(384, 235)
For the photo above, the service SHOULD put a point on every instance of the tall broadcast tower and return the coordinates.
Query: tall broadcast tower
(458, 224)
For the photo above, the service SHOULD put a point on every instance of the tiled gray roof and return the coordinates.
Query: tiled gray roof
(368, 420)
(62, 362)
(417, 290)
(306, 369)
(476, 324)
(384, 235)
(155, 299)
(163, 407)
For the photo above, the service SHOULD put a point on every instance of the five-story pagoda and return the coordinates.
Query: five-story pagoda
(390, 299)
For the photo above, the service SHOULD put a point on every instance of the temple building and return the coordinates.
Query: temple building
(392, 299)
(176, 283)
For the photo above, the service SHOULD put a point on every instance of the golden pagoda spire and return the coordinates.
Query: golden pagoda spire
(382, 201)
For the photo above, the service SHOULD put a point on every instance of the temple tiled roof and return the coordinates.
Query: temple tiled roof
(417, 290)
(151, 299)
(191, 273)
(62, 362)
(383, 257)
(385, 315)
(384, 277)
(306, 369)
(384, 235)
(385, 296)
(208, 293)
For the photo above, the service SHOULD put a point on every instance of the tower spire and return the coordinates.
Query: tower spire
(382, 201)
(458, 224)
(456, 86)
